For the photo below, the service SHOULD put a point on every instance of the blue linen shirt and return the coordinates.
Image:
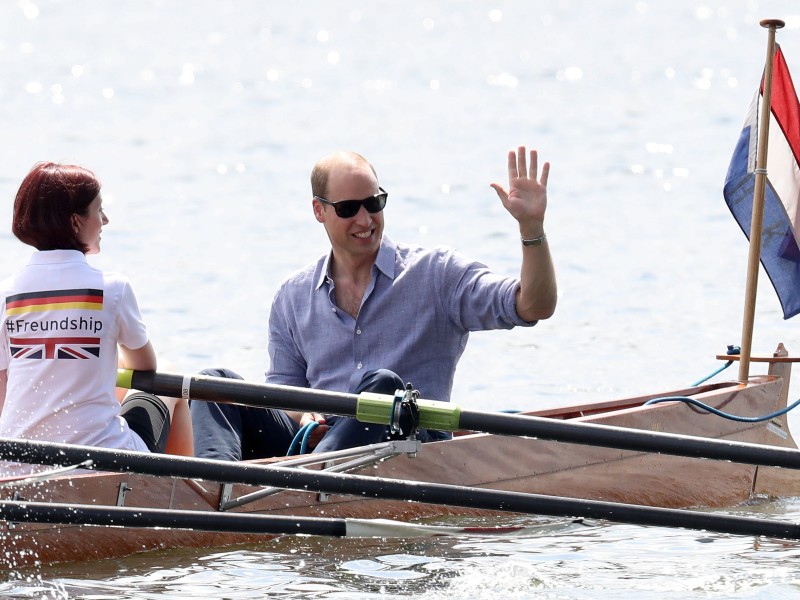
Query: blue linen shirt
(415, 319)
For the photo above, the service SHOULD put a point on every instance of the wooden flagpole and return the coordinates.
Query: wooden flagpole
(756, 223)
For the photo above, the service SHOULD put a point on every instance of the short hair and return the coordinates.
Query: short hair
(323, 168)
(47, 198)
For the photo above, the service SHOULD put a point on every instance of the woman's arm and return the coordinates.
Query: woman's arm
(141, 359)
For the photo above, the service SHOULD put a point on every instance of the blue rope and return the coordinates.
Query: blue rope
(720, 413)
(717, 372)
(301, 439)
(732, 350)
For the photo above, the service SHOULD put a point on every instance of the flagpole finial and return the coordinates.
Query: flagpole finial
(769, 23)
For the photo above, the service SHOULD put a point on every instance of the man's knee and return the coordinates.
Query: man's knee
(221, 372)
(215, 372)
(380, 381)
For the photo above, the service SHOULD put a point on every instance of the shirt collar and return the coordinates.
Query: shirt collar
(386, 257)
(384, 261)
(47, 257)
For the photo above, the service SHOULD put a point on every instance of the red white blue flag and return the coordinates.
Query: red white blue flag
(55, 347)
(780, 243)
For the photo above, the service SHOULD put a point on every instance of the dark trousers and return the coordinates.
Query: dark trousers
(234, 432)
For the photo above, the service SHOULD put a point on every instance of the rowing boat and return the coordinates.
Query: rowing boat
(604, 472)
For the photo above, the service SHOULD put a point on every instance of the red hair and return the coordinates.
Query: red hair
(48, 197)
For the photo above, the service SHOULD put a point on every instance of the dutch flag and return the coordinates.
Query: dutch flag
(780, 243)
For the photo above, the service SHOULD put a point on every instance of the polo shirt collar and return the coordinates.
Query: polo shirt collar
(47, 257)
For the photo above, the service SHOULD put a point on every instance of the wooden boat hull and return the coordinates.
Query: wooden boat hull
(476, 460)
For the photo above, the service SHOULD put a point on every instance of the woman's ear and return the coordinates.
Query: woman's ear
(75, 219)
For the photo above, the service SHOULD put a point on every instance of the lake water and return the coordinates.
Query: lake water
(203, 120)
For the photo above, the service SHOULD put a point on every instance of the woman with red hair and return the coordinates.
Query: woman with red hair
(67, 326)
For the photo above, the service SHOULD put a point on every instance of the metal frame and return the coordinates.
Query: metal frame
(354, 458)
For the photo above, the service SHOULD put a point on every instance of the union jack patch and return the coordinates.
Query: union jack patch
(55, 347)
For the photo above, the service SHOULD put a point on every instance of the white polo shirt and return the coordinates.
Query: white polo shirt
(61, 322)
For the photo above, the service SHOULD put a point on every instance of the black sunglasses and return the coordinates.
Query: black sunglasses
(349, 208)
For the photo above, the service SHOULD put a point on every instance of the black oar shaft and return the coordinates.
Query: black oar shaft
(637, 440)
(217, 389)
(390, 489)
(237, 391)
(44, 512)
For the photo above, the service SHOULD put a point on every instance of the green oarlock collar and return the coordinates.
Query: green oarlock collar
(125, 378)
(377, 408)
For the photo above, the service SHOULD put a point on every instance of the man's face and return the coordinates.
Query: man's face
(359, 235)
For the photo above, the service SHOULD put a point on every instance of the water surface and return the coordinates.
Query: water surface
(203, 120)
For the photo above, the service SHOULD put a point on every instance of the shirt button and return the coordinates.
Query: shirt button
(333, 309)
(358, 332)
(359, 366)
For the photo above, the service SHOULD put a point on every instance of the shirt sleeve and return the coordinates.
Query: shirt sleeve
(478, 299)
(132, 330)
(287, 366)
